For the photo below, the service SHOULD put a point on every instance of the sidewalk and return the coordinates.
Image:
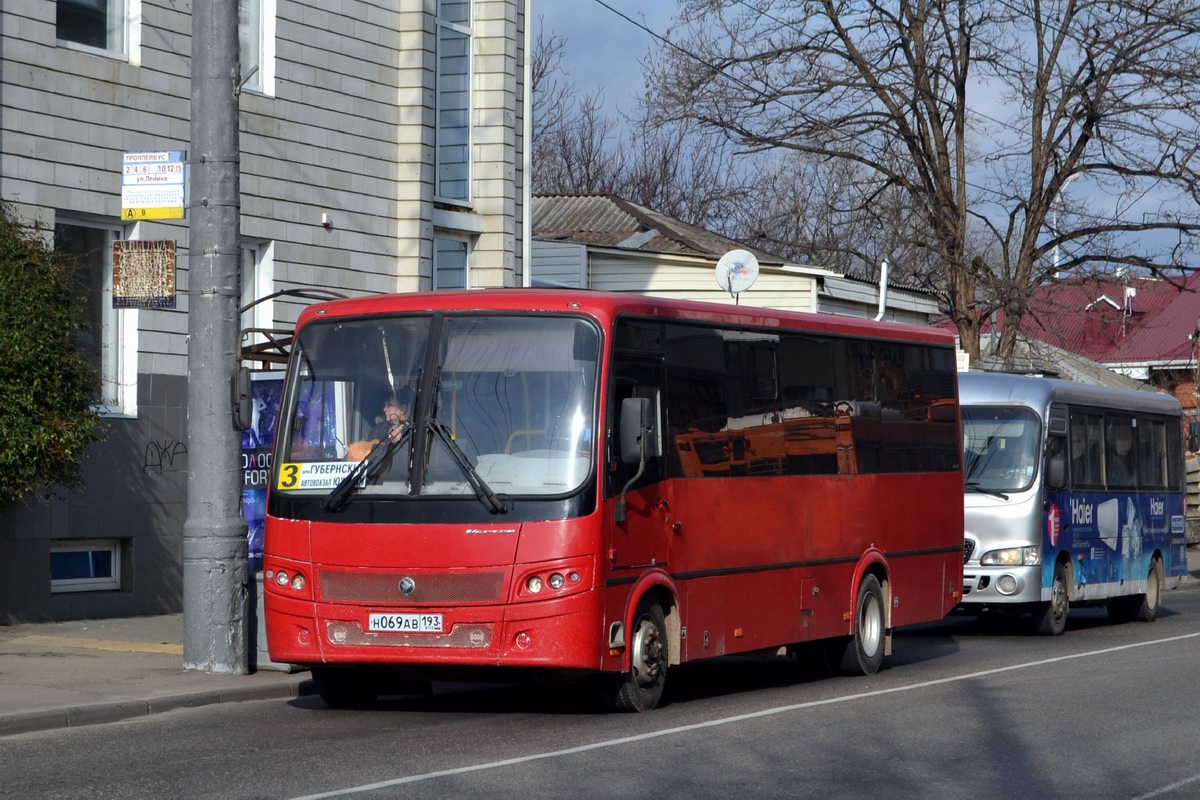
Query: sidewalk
(67, 674)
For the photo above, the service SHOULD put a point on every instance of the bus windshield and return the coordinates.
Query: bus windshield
(1000, 448)
(411, 405)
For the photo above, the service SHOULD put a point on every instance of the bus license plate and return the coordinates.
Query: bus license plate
(405, 623)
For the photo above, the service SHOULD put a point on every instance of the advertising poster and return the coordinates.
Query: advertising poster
(257, 441)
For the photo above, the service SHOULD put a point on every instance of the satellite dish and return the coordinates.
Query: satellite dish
(736, 271)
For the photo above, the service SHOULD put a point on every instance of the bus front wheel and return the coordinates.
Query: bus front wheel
(862, 654)
(641, 687)
(1051, 618)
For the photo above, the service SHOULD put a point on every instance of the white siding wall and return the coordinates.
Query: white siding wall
(495, 134)
(696, 280)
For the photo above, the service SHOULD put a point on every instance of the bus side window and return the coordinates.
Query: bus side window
(1120, 464)
(1087, 448)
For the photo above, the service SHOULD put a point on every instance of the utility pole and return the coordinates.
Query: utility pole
(215, 571)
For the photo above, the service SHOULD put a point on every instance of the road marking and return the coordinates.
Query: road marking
(767, 712)
(1168, 789)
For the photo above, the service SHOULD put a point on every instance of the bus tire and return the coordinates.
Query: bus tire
(863, 652)
(346, 687)
(641, 687)
(1145, 606)
(1050, 619)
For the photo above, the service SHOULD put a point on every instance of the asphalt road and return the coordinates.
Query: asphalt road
(959, 711)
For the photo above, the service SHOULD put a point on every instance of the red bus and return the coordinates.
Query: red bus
(495, 484)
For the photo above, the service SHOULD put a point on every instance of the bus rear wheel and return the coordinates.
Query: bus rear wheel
(1050, 619)
(641, 687)
(346, 687)
(862, 654)
(1144, 607)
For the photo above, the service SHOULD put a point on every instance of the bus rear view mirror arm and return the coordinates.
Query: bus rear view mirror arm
(1056, 472)
(635, 428)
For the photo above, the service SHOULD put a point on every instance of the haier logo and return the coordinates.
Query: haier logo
(1081, 512)
(1157, 506)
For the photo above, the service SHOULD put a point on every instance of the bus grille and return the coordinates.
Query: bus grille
(471, 635)
(428, 587)
(968, 548)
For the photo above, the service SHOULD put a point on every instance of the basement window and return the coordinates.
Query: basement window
(85, 565)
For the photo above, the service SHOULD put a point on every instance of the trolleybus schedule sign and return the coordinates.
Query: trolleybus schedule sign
(152, 185)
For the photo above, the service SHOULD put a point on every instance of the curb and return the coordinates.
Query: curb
(101, 713)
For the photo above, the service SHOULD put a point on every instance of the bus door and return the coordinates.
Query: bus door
(638, 496)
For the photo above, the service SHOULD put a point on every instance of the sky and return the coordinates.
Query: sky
(602, 49)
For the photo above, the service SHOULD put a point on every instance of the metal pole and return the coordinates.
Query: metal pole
(215, 572)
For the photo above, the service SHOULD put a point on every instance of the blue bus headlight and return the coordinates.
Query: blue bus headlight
(1012, 557)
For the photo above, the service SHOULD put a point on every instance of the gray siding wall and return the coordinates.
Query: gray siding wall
(347, 132)
(559, 263)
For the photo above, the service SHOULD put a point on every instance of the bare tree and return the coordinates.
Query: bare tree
(581, 153)
(978, 114)
(579, 149)
(815, 211)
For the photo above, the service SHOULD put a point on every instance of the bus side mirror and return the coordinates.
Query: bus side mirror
(636, 425)
(240, 391)
(1056, 471)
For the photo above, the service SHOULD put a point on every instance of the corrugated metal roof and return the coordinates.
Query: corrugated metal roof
(605, 220)
(1097, 318)
(1035, 357)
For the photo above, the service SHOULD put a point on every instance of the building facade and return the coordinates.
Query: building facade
(601, 241)
(381, 151)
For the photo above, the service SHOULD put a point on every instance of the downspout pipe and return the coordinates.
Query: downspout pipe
(883, 285)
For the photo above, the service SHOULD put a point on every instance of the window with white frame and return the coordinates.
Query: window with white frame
(452, 132)
(110, 340)
(258, 281)
(256, 44)
(85, 565)
(98, 24)
(449, 263)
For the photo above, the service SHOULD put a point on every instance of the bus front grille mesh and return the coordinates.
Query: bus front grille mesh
(424, 587)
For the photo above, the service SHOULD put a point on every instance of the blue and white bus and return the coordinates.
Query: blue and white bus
(1074, 495)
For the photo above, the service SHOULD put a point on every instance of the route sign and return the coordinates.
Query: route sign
(152, 185)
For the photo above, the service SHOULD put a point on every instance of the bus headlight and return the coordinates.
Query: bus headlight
(1012, 557)
(545, 581)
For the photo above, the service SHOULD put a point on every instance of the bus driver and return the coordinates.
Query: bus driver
(389, 425)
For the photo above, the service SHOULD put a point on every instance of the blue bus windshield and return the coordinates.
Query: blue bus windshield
(1000, 448)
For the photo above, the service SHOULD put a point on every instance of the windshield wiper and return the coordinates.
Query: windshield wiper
(972, 486)
(497, 504)
(365, 470)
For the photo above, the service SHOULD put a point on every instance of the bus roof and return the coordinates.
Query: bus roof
(607, 306)
(994, 388)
